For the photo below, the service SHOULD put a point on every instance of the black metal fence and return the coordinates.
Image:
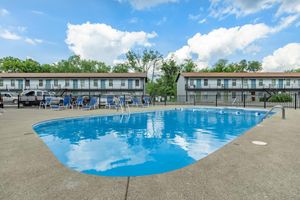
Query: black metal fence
(291, 100)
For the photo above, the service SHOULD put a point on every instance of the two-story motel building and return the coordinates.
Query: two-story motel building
(234, 85)
(76, 83)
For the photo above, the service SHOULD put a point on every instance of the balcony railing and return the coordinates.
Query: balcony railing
(242, 86)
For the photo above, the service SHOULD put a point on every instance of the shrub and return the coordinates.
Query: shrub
(281, 98)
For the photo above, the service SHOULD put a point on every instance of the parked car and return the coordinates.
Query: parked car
(9, 98)
(34, 97)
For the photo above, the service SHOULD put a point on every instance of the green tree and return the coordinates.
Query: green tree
(143, 63)
(188, 66)
(120, 68)
(254, 66)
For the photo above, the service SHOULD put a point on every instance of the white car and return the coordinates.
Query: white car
(34, 97)
(9, 97)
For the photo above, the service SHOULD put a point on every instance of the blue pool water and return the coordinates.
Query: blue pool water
(143, 143)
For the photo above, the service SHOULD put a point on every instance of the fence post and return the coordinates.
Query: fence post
(153, 100)
(1, 101)
(165, 100)
(216, 100)
(18, 101)
(295, 101)
(265, 101)
(244, 99)
(194, 100)
(99, 105)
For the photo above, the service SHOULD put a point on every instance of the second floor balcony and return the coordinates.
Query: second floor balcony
(243, 87)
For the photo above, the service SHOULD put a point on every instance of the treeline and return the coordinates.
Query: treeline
(149, 61)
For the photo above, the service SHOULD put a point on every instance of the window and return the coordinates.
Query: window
(27, 83)
(299, 82)
(273, 82)
(233, 95)
(41, 83)
(82, 83)
(95, 83)
(67, 83)
(219, 82)
(122, 83)
(288, 82)
(110, 83)
(39, 93)
(261, 82)
(12, 83)
(137, 83)
(205, 82)
(191, 82)
(1, 83)
(233, 82)
(55, 83)
(245, 82)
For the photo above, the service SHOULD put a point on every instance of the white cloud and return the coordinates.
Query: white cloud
(145, 4)
(202, 21)
(4, 12)
(222, 8)
(102, 42)
(33, 41)
(223, 42)
(162, 21)
(37, 12)
(285, 58)
(8, 35)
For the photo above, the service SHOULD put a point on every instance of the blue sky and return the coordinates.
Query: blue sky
(205, 30)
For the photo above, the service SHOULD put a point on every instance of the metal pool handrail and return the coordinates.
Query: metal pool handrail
(275, 107)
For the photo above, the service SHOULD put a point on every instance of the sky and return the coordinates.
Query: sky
(104, 30)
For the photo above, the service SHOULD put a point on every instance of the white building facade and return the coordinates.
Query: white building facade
(76, 83)
(229, 86)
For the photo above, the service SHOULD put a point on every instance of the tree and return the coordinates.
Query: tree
(167, 83)
(254, 66)
(143, 63)
(188, 66)
(120, 68)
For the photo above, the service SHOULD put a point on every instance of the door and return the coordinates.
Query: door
(198, 84)
(253, 83)
(130, 84)
(226, 83)
(280, 83)
(75, 84)
(103, 84)
(20, 84)
(48, 84)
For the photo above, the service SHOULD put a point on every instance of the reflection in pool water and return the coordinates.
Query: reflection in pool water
(143, 143)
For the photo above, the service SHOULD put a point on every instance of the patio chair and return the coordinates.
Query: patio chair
(45, 103)
(91, 105)
(79, 102)
(110, 102)
(147, 101)
(136, 102)
(66, 104)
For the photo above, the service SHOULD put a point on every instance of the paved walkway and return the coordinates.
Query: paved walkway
(240, 170)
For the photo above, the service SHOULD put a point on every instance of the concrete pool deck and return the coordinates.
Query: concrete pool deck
(240, 170)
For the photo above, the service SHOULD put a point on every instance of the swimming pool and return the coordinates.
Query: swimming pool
(143, 143)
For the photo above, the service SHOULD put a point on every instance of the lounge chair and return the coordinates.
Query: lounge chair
(91, 105)
(47, 102)
(136, 102)
(110, 102)
(66, 104)
(147, 101)
(79, 102)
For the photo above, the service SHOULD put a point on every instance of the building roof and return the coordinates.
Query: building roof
(73, 75)
(240, 75)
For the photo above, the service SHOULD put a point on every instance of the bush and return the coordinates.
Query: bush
(281, 98)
